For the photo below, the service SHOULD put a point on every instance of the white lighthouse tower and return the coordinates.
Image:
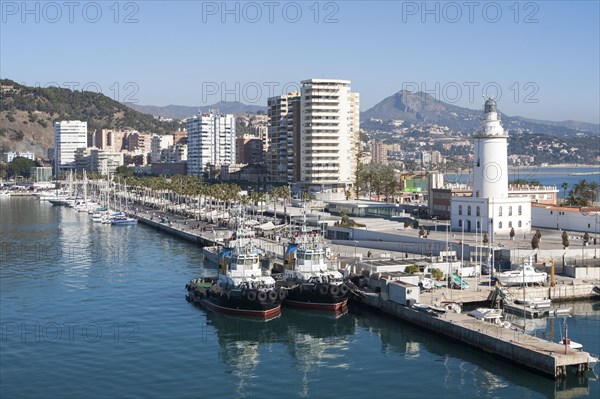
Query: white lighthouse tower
(490, 171)
(490, 209)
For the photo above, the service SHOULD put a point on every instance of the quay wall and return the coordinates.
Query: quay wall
(567, 292)
(528, 351)
(203, 241)
(560, 292)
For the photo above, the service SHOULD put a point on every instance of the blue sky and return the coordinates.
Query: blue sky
(540, 58)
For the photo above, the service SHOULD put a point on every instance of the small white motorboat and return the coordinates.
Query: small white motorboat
(535, 303)
(560, 311)
(490, 315)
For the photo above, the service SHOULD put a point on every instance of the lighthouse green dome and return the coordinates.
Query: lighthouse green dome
(490, 105)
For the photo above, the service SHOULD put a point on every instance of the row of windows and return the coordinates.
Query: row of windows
(478, 211)
(560, 213)
(510, 224)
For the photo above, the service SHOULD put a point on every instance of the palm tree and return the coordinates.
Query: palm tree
(261, 199)
(275, 196)
(209, 196)
(284, 191)
(593, 186)
(253, 198)
(581, 192)
(564, 186)
(232, 195)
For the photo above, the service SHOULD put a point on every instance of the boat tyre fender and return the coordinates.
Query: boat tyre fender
(262, 296)
(251, 295)
(282, 294)
(323, 289)
(344, 289)
(334, 289)
(272, 296)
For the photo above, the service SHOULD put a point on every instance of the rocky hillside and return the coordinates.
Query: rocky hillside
(27, 115)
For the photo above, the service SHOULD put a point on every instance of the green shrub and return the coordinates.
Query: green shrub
(437, 274)
(412, 269)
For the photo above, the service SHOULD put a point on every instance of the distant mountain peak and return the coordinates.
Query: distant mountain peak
(420, 107)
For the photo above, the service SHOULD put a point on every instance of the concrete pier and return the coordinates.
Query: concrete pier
(178, 230)
(530, 352)
(573, 290)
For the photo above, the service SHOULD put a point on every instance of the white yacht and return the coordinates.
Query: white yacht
(525, 274)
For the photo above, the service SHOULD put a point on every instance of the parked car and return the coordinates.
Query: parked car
(486, 269)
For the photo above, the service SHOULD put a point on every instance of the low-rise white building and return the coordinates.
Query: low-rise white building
(474, 214)
(585, 219)
(10, 156)
(96, 160)
(105, 162)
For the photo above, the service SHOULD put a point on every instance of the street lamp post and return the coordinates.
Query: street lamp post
(595, 242)
(582, 250)
(462, 247)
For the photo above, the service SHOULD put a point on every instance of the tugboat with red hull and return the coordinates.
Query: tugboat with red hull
(311, 284)
(240, 287)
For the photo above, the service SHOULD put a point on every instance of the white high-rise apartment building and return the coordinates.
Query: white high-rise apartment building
(211, 140)
(280, 111)
(159, 143)
(329, 125)
(69, 136)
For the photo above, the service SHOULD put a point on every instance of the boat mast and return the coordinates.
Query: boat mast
(84, 187)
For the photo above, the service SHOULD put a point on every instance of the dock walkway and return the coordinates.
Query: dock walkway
(202, 233)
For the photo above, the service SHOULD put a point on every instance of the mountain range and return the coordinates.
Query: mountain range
(417, 108)
(422, 108)
(27, 115)
(179, 112)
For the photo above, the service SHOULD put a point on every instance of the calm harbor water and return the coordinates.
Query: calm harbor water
(545, 175)
(93, 311)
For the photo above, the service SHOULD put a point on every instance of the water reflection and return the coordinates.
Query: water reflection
(312, 339)
(54, 246)
(488, 374)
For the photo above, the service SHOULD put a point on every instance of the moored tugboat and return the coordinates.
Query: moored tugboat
(240, 287)
(310, 282)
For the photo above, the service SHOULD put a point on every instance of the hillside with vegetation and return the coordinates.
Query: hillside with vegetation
(27, 115)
